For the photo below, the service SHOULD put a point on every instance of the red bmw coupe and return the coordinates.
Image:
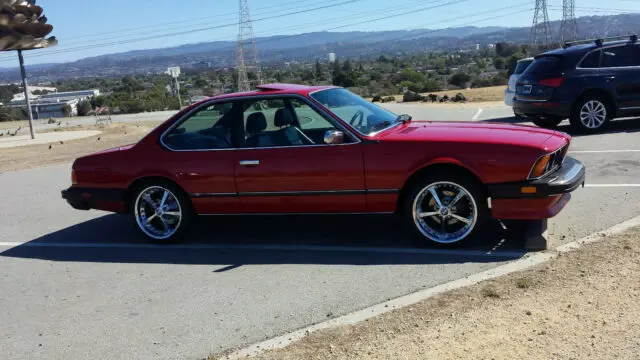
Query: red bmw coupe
(292, 149)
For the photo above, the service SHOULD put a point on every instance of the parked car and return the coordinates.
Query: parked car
(510, 92)
(293, 149)
(589, 82)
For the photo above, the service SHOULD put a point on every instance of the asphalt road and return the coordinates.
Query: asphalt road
(84, 285)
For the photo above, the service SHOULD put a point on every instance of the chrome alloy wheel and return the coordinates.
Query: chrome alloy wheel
(593, 114)
(445, 212)
(158, 212)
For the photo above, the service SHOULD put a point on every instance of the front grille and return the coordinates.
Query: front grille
(557, 158)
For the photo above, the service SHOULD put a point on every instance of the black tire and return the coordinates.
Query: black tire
(575, 119)
(187, 216)
(460, 179)
(547, 123)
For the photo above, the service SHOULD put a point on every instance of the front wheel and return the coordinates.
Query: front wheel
(590, 114)
(446, 210)
(162, 212)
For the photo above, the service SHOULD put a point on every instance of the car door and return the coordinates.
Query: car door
(202, 153)
(622, 68)
(286, 167)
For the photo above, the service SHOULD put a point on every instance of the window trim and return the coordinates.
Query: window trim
(601, 58)
(319, 109)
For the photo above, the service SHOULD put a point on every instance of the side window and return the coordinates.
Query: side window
(618, 56)
(282, 123)
(208, 128)
(312, 123)
(591, 61)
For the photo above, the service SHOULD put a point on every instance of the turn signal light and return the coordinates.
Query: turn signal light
(528, 190)
(540, 166)
(552, 82)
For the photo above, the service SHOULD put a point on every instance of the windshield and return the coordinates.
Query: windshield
(367, 118)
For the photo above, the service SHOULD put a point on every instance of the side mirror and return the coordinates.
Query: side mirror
(334, 137)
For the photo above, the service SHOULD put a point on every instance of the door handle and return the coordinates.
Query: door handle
(249, 162)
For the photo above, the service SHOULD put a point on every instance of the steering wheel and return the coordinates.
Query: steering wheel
(357, 119)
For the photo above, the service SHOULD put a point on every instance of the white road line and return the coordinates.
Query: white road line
(601, 151)
(611, 185)
(477, 115)
(318, 248)
(407, 300)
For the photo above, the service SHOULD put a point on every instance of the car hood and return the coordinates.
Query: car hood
(475, 132)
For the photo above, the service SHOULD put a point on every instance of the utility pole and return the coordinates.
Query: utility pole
(245, 34)
(32, 132)
(569, 27)
(540, 30)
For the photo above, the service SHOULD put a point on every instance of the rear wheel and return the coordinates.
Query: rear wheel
(590, 114)
(547, 123)
(446, 209)
(162, 212)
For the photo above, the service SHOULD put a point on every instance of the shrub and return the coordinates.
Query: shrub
(412, 96)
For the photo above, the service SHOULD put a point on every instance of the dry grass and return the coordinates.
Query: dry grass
(583, 305)
(32, 156)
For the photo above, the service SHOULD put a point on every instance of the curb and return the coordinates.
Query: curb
(413, 298)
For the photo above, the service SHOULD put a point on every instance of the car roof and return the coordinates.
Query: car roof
(582, 48)
(277, 89)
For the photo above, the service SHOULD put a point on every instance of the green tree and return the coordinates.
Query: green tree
(459, 79)
(66, 110)
(84, 107)
(499, 63)
(98, 101)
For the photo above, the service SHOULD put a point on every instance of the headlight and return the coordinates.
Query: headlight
(540, 167)
(547, 163)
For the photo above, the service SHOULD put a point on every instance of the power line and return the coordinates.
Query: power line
(122, 42)
(87, 47)
(386, 17)
(217, 16)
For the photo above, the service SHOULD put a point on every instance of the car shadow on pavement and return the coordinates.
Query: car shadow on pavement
(252, 240)
(626, 125)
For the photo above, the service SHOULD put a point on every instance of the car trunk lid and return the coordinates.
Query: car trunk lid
(541, 79)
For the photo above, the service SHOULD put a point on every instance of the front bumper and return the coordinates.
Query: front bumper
(542, 109)
(566, 179)
(539, 198)
(95, 198)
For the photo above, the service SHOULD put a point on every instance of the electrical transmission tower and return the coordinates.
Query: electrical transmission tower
(245, 35)
(540, 30)
(569, 27)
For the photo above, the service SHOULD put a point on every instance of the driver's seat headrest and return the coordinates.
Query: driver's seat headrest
(284, 117)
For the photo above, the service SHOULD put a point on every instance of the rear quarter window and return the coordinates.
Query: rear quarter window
(522, 66)
(545, 65)
(591, 61)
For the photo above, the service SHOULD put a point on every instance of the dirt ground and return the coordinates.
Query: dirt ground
(112, 135)
(581, 305)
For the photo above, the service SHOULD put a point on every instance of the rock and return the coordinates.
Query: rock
(528, 312)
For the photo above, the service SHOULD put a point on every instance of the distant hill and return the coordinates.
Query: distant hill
(316, 45)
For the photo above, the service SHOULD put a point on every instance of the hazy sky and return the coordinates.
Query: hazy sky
(87, 28)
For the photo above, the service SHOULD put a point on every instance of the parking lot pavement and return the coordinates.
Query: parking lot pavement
(83, 284)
